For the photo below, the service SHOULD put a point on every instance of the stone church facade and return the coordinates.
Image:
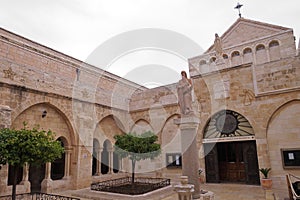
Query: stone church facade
(246, 96)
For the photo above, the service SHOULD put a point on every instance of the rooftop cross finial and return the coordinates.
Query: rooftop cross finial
(238, 6)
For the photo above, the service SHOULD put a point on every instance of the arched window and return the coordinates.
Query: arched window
(235, 54)
(235, 58)
(261, 55)
(274, 50)
(225, 56)
(227, 123)
(260, 47)
(58, 166)
(273, 43)
(202, 62)
(248, 56)
(247, 50)
(212, 59)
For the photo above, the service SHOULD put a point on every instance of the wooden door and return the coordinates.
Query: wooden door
(231, 162)
(251, 163)
(211, 163)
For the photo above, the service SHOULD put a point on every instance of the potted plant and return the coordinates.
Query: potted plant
(266, 182)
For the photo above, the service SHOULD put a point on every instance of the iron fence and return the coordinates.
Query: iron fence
(124, 186)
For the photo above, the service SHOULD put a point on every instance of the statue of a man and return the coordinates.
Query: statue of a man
(184, 90)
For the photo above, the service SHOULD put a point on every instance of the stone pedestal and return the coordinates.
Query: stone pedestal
(190, 155)
(184, 190)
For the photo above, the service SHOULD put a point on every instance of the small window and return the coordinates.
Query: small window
(225, 56)
(260, 47)
(235, 54)
(274, 43)
(247, 50)
(202, 62)
(213, 59)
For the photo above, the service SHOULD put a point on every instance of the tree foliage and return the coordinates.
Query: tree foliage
(31, 146)
(137, 147)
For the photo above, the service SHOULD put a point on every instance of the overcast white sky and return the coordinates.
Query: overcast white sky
(78, 27)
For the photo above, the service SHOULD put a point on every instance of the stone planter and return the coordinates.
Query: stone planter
(266, 183)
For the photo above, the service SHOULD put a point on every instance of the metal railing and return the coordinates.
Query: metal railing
(123, 185)
(38, 196)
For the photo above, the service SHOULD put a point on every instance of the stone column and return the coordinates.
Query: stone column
(110, 161)
(98, 166)
(47, 182)
(190, 155)
(268, 53)
(25, 181)
(5, 122)
(67, 163)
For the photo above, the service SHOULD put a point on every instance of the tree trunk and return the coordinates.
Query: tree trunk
(133, 168)
(14, 189)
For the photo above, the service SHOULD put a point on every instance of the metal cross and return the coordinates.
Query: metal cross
(238, 6)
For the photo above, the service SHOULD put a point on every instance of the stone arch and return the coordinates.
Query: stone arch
(283, 126)
(227, 123)
(141, 126)
(274, 50)
(107, 128)
(169, 136)
(230, 148)
(33, 116)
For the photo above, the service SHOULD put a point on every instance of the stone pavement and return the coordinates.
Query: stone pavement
(221, 191)
(230, 192)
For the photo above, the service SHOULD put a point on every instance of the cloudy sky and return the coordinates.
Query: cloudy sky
(81, 28)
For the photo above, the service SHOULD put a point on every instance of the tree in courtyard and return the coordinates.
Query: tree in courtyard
(137, 147)
(32, 146)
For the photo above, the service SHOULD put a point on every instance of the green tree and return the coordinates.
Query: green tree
(137, 147)
(31, 146)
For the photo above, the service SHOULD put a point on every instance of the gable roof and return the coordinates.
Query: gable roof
(245, 30)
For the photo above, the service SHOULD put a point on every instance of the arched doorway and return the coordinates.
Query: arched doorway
(58, 166)
(230, 149)
(105, 157)
(116, 163)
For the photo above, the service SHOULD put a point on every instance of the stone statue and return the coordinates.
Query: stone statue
(184, 90)
(218, 46)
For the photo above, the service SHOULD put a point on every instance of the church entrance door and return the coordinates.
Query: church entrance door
(233, 162)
